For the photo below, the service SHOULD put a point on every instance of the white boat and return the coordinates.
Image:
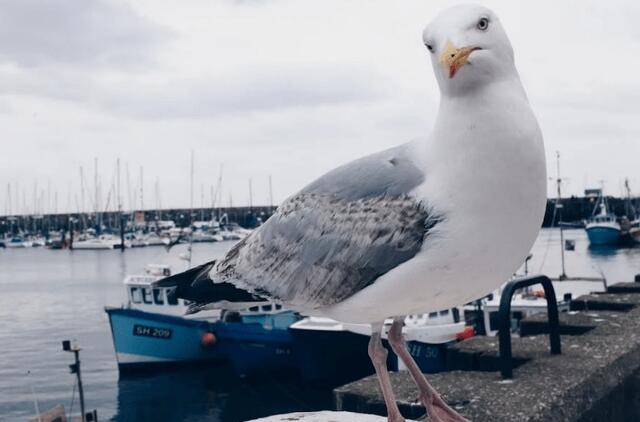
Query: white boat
(532, 301)
(152, 239)
(432, 328)
(234, 232)
(38, 242)
(229, 235)
(428, 335)
(99, 243)
(202, 236)
(137, 241)
(16, 242)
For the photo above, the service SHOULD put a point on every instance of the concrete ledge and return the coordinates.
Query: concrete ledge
(322, 416)
(632, 287)
(604, 302)
(595, 378)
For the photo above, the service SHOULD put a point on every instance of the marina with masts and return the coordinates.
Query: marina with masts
(110, 226)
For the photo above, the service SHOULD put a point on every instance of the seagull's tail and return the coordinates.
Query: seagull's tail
(196, 286)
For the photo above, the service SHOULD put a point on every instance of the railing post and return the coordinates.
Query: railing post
(504, 317)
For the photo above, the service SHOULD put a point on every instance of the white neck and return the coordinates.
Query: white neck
(488, 132)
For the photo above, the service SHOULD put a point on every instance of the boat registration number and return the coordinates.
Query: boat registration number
(146, 331)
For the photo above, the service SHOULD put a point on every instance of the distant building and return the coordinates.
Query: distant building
(592, 193)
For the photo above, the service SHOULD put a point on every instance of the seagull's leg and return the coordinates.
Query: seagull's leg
(378, 355)
(437, 409)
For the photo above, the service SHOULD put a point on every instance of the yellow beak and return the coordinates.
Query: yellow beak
(454, 58)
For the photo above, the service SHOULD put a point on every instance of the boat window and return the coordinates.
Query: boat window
(254, 309)
(266, 308)
(494, 322)
(171, 299)
(445, 312)
(146, 295)
(166, 272)
(158, 298)
(134, 295)
(278, 307)
(456, 315)
(433, 314)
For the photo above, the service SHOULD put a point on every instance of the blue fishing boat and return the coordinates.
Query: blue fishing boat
(603, 228)
(151, 331)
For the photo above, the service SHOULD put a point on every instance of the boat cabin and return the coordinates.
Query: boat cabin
(143, 296)
(606, 218)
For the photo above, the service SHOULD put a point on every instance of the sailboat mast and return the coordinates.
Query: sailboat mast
(201, 202)
(141, 188)
(157, 189)
(190, 247)
(563, 275)
(119, 200)
(95, 182)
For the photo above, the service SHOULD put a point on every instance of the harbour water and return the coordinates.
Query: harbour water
(47, 296)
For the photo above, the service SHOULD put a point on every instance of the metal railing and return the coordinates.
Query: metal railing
(504, 317)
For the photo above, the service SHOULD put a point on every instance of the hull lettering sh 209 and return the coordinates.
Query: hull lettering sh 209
(146, 331)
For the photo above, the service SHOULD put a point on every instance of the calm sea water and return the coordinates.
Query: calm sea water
(48, 296)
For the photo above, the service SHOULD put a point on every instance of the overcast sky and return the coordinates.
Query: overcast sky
(287, 88)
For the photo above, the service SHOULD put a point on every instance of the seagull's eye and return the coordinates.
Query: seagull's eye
(483, 24)
(429, 47)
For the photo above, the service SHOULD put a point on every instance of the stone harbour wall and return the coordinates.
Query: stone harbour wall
(596, 378)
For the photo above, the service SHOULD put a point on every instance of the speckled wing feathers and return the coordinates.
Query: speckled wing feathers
(318, 250)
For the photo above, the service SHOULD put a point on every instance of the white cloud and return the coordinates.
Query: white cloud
(289, 88)
(97, 33)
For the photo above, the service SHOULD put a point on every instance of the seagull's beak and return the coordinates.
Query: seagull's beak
(454, 58)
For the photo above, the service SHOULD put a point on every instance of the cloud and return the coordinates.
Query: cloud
(168, 98)
(247, 93)
(287, 88)
(76, 32)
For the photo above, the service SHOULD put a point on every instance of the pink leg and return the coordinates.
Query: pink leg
(378, 355)
(437, 409)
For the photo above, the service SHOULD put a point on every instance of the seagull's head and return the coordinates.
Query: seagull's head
(468, 48)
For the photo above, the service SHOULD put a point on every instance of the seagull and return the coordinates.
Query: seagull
(427, 225)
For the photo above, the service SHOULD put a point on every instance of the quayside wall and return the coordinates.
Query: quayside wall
(595, 378)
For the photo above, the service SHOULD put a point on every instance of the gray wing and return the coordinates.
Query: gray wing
(337, 236)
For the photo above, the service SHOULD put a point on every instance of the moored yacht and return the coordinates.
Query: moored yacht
(99, 243)
(17, 242)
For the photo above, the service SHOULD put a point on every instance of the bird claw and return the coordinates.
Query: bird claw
(439, 411)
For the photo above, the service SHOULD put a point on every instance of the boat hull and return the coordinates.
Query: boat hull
(143, 339)
(603, 235)
(261, 346)
(92, 246)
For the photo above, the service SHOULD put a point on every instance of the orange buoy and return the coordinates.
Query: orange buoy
(466, 333)
(208, 339)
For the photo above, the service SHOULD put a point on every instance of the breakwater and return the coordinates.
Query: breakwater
(574, 209)
(248, 217)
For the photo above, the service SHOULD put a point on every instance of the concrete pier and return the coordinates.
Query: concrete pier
(596, 378)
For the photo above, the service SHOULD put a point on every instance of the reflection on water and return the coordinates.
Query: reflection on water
(616, 264)
(47, 296)
(212, 394)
